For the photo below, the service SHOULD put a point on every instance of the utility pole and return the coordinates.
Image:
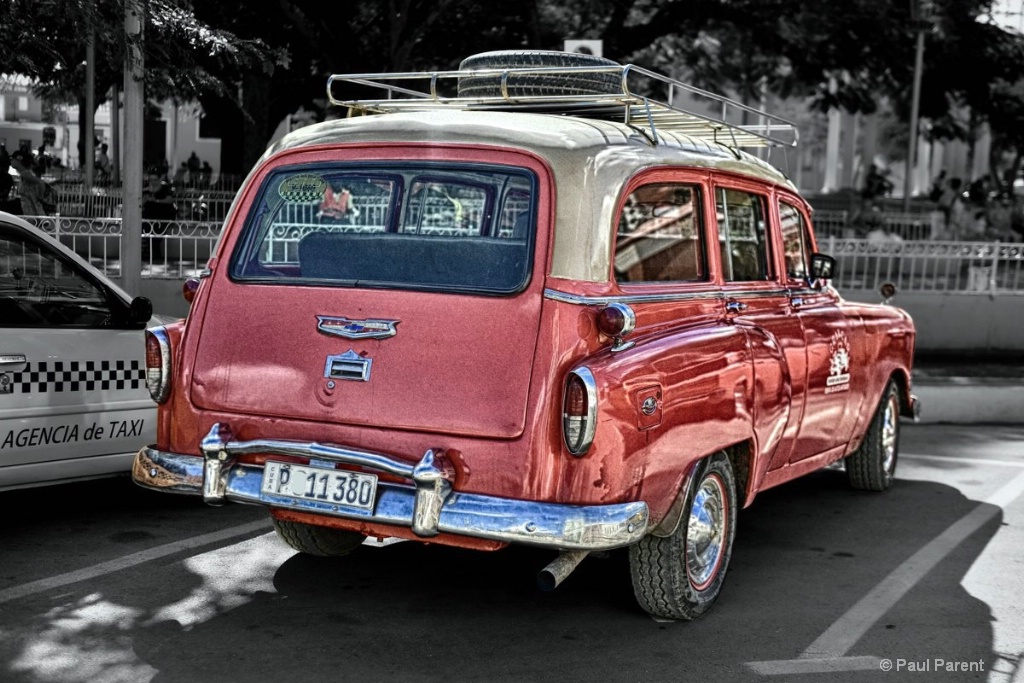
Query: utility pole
(115, 136)
(89, 115)
(131, 210)
(832, 143)
(920, 10)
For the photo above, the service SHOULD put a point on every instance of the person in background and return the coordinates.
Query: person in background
(938, 187)
(953, 208)
(181, 176)
(6, 181)
(193, 168)
(877, 184)
(34, 189)
(205, 174)
(103, 162)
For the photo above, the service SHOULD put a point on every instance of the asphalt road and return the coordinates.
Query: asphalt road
(104, 582)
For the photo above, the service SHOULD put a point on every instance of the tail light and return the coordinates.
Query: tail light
(579, 411)
(158, 363)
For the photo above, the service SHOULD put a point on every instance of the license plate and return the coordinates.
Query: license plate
(334, 487)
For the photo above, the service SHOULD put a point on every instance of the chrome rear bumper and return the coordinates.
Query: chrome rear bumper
(428, 504)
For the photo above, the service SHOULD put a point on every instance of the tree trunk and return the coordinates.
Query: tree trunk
(256, 105)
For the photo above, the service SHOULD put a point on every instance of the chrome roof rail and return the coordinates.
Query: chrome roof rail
(420, 91)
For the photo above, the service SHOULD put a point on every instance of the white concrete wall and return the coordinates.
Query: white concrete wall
(961, 322)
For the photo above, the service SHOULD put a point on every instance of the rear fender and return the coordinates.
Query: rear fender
(701, 380)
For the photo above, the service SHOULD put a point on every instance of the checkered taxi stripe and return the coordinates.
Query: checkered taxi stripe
(66, 376)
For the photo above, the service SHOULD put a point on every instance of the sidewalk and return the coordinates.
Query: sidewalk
(967, 391)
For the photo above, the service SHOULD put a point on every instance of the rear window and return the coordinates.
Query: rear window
(440, 227)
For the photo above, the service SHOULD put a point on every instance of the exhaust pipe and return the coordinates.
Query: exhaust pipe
(555, 573)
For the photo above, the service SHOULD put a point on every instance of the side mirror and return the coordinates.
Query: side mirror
(140, 311)
(822, 267)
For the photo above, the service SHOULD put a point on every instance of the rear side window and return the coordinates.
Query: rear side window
(429, 226)
(659, 235)
(742, 237)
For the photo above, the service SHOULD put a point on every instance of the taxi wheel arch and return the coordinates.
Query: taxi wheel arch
(872, 466)
(675, 576)
(317, 540)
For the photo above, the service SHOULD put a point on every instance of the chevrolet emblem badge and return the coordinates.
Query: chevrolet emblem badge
(357, 329)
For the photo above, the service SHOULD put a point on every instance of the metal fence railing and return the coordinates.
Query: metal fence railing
(907, 226)
(170, 249)
(928, 266)
(104, 201)
(178, 249)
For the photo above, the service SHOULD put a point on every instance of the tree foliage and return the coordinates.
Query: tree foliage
(185, 59)
(251, 63)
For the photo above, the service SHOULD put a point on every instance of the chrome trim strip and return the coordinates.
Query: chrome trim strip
(160, 334)
(590, 384)
(549, 525)
(579, 300)
(759, 294)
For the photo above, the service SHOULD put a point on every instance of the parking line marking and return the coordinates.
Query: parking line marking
(972, 461)
(815, 666)
(844, 633)
(42, 585)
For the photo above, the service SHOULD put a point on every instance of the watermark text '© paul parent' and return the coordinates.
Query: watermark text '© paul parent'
(932, 665)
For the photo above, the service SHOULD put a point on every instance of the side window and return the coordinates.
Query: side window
(38, 289)
(742, 237)
(659, 235)
(795, 241)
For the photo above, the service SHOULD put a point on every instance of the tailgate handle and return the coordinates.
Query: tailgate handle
(349, 365)
(10, 362)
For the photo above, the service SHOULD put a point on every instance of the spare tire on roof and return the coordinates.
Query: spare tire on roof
(571, 83)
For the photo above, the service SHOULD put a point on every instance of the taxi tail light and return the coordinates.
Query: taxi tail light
(579, 411)
(158, 364)
(189, 289)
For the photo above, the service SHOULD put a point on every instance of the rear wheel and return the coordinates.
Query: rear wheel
(872, 467)
(317, 540)
(537, 84)
(680, 576)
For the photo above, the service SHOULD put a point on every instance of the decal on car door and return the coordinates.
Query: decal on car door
(839, 364)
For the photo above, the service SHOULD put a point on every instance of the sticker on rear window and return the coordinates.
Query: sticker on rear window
(302, 188)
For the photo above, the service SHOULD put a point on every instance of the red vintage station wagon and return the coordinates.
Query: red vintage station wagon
(546, 308)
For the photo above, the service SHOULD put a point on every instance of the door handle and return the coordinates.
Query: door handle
(735, 306)
(12, 362)
(796, 302)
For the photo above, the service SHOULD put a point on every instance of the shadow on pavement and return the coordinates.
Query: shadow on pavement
(805, 552)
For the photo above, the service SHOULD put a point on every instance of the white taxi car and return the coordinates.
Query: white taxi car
(73, 397)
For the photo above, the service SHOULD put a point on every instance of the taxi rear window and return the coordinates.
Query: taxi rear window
(441, 227)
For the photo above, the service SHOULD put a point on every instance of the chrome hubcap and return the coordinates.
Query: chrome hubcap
(890, 430)
(705, 538)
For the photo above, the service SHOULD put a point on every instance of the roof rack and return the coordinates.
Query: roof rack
(624, 105)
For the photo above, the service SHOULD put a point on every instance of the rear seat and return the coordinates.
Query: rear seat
(473, 263)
